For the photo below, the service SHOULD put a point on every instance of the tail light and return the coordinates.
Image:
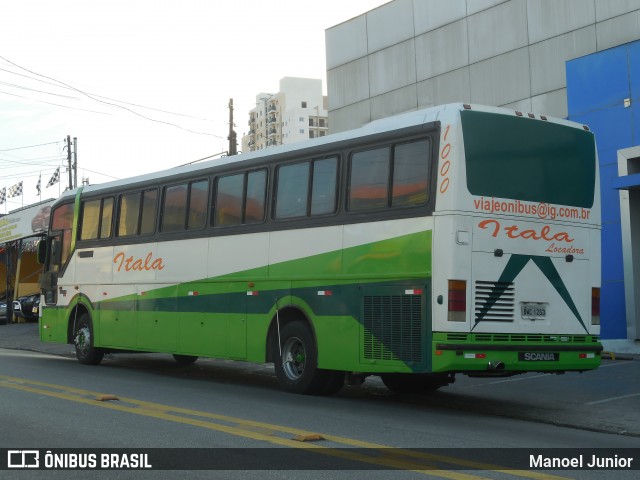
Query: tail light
(457, 301)
(595, 306)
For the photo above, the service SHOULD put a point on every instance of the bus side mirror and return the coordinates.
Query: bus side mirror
(42, 251)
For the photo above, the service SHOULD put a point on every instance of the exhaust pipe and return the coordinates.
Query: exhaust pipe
(495, 366)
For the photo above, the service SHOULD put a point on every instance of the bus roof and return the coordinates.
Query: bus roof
(387, 124)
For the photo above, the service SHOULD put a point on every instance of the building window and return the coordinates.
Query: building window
(302, 130)
(304, 104)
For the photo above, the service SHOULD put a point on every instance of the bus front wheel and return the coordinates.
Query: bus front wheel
(296, 365)
(83, 340)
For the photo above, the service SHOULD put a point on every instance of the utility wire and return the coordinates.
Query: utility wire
(28, 146)
(98, 173)
(55, 104)
(112, 99)
(96, 99)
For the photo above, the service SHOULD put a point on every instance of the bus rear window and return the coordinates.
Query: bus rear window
(531, 160)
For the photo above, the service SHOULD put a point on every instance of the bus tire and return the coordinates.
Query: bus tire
(184, 360)
(86, 353)
(415, 383)
(296, 364)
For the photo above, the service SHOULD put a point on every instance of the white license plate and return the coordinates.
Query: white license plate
(533, 311)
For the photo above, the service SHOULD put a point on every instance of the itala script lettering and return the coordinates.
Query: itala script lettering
(512, 231)
(137, 264)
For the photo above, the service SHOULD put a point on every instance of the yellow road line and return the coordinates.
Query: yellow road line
(399, 458)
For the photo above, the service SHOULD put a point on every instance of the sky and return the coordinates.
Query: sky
(143, 85)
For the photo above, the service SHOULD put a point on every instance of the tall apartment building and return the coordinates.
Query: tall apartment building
(297, 112)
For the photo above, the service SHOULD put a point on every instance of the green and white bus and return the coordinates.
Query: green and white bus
(457, 239)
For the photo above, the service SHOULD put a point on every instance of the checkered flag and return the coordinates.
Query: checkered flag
(55, 178)
(15, 191)
(3, 195)
(39, 185)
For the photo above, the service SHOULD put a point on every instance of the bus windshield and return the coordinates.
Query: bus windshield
(522, 159)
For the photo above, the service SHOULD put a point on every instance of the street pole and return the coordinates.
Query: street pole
(233, 146)
(75, 162)
(69, 162)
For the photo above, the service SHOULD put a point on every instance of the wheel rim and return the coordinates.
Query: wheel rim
(83, 339)
(294, 358)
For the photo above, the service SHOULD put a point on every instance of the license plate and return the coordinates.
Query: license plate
(533, 311)
(538, 356)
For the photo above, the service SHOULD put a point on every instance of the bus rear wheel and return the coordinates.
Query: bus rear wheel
(415, 382)
(296, 365)
(86, 353)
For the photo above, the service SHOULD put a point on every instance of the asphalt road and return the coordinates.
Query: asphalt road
(51, 401)
(604, 400)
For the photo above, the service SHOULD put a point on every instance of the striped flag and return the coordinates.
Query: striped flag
(39, 185)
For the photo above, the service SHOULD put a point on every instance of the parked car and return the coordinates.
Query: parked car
(3, 312)
(27, 307)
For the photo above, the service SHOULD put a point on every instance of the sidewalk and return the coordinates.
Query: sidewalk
(604, 400)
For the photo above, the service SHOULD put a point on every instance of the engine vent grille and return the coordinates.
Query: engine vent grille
(393, 327)
(494, 301)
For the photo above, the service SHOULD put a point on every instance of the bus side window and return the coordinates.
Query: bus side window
(174, 208)
(369, 179)
(293, 190)
(106, 218)
(410, 173)
(128, 214)
(148, 215)
(198, 197)
(323, 186)
(228, 200)
(90, 219)
(254, 207)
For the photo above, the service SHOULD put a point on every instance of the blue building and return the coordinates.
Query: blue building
(603, 91)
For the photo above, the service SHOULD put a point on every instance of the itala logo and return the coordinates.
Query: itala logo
(513, 231)
(138, 264)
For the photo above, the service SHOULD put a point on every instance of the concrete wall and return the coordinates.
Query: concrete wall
(410, 54)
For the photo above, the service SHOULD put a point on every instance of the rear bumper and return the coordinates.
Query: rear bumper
(557, 353)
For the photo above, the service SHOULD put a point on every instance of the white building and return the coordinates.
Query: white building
(297, 112)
